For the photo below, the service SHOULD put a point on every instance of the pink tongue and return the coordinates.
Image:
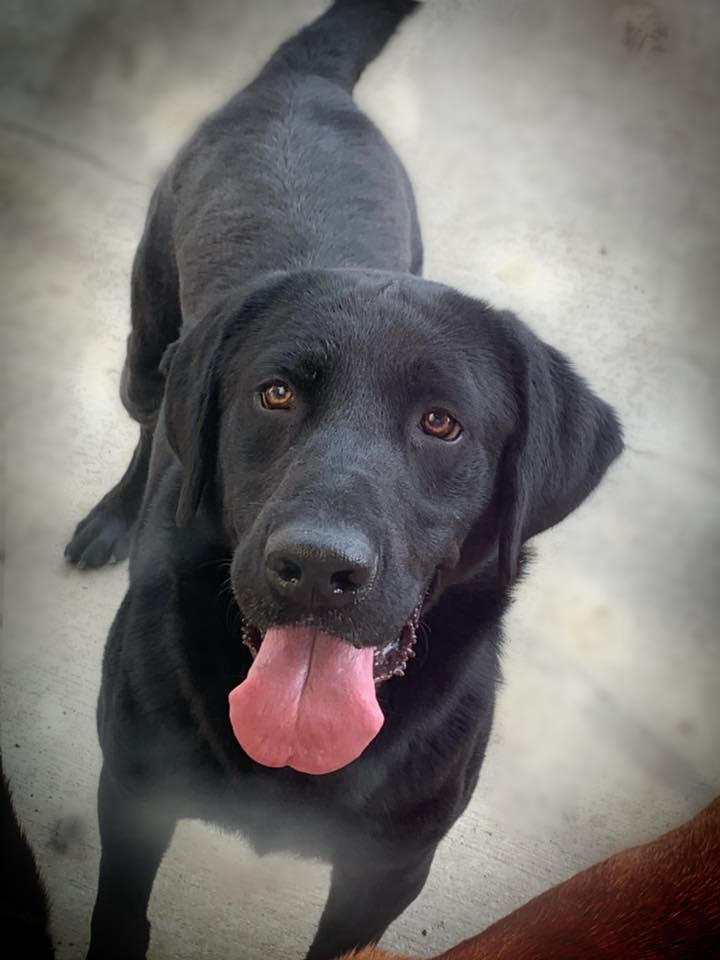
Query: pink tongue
(308, 702)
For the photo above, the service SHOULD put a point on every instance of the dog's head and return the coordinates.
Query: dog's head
(370, 436)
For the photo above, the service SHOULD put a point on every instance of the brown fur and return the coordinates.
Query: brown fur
(659, 901)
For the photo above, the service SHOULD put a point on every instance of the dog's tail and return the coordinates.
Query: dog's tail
(343, 41)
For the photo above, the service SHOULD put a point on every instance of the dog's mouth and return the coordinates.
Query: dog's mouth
(309, 700)
(389, 660)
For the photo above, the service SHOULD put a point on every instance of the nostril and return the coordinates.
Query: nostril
(316, 571)
(286, 570)
(343, 581)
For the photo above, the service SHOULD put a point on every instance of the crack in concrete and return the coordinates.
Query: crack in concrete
(703, 472)
(69, 150)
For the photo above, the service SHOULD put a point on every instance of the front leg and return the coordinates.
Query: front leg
(135, 833)
(365, 897)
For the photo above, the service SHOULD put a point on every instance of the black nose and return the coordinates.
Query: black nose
(319, 569)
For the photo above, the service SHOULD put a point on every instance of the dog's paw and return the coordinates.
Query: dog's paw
(102, 537)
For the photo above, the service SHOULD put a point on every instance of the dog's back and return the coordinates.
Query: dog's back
(659, 901)
(290, 174)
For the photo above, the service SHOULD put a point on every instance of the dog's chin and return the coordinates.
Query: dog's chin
(390, 657)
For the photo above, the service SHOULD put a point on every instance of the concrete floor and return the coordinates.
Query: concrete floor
(566, 158)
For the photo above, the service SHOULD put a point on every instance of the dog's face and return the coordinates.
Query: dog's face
(371, 438)
(358, 442)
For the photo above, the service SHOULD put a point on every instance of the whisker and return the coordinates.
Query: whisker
(422, 645)
(233, 615)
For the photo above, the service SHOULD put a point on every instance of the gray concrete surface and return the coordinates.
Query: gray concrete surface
(566, 157)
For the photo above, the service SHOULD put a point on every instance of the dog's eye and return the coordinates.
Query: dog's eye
(277, 396)
(439, 423)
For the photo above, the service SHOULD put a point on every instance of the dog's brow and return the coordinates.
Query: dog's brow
(438, 376)
(302, 361)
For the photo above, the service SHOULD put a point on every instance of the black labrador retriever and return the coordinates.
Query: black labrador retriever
(338, 467)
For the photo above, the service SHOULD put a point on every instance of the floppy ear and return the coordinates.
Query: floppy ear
(564, 441)
(192, 367)
(191, 408)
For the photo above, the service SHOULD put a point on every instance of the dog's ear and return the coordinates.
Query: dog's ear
(192, 367)
(564, 440)
(191, 408)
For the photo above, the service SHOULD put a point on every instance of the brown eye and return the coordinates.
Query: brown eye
(277, 396)
(439, 423)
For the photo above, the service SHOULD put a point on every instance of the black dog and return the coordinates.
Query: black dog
(335, 458)
(23, 901)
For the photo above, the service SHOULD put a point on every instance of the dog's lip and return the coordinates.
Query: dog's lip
(390, 658)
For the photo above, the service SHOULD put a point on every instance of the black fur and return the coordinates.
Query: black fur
(23, 902)
(283, 243)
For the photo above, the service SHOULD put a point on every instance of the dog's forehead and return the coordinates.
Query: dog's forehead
(366, 330)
